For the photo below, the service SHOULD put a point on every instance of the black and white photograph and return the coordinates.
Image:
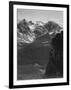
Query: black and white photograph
(39, 44)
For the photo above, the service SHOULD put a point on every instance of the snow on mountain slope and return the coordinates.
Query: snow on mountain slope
(28, 32)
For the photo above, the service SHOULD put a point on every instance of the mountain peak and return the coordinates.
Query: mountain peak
(39, 23)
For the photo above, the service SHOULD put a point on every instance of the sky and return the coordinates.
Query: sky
(40, 15)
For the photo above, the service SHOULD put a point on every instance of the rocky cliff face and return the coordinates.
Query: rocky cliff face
(29, 32)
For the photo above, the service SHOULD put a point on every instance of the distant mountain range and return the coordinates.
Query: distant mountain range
(29, 32)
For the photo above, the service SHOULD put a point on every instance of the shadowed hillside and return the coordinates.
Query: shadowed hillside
(34, 43)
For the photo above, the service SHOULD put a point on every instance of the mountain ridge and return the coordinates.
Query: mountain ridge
(28, 32)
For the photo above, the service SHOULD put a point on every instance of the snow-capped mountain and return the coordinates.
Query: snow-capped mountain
(28, 32)
(39, 23)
